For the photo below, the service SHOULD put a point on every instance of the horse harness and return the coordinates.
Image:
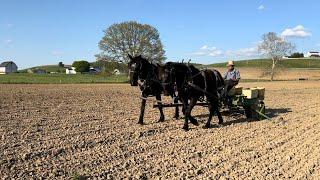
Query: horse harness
(188, 82)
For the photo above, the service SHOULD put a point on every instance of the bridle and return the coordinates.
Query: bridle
(145, 80)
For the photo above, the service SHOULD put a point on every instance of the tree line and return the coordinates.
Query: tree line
(131, 37)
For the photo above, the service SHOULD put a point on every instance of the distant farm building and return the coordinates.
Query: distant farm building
(8, 67)
(94, 70)
(71, 70)
(116, 72)
(313, 54)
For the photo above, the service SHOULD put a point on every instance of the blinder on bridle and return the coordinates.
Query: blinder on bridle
(140, 75)
(172, 76)
(133, 74)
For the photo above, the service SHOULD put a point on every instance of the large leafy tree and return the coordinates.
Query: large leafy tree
(81, 66)
(131, 38)
(275, 47)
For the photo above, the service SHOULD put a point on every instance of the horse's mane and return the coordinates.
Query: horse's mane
(179, 66)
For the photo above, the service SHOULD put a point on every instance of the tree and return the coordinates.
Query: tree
(297, 55)
(61, 64)
(274, 47)
(81, 66)
(131, 38)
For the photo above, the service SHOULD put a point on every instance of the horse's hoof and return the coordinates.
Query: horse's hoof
(207, 126)
(220, 122)
(160, 121)
(194, 122)
(186, 128)
(141, 123)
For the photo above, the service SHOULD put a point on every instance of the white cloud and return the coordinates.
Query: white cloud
(261, 7)
(204, 47)
(216, 52)
(208, 51)
(298, 31)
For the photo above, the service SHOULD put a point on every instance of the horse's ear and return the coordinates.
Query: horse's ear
(130, 57)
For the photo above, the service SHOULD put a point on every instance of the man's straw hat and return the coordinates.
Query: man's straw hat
(230, 63)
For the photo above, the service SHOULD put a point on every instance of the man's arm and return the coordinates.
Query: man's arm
(238, 77)
(225, 75)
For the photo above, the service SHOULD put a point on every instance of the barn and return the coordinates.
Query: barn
(8, 67)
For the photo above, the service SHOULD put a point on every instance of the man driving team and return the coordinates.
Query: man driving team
(231, 77)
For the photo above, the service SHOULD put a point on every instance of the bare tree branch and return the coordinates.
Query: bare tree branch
(275, 48)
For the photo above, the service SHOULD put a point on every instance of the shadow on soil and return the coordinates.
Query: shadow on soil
(240, 118)
(274, 112)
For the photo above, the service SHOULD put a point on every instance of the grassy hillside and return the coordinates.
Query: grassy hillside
(108, 67)
(26, 78)
(263, 63)
(48, 68)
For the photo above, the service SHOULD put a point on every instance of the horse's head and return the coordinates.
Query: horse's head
(138, 69)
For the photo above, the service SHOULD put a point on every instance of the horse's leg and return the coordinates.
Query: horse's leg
(216, 109)
(211, 111)
(175, 101)
(142, 108)
(158, 97)
(193, 102)
(184, 102)
(218, 114)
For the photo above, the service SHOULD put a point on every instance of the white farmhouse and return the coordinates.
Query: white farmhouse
(71, 70)
(313, 54)
(8, 67)
(116, 72)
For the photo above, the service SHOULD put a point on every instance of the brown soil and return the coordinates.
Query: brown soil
(58, 131)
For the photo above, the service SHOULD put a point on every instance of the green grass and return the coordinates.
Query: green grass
(264, 63)
(26, 78)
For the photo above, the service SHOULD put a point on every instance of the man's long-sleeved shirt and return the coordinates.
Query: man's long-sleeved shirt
(232, 75)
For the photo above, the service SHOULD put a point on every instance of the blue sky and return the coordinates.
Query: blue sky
(38, 32)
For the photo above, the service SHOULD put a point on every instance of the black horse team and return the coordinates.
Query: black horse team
(183, 82)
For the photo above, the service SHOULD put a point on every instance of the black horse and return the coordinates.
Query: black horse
(192, 84)
(148, 76)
